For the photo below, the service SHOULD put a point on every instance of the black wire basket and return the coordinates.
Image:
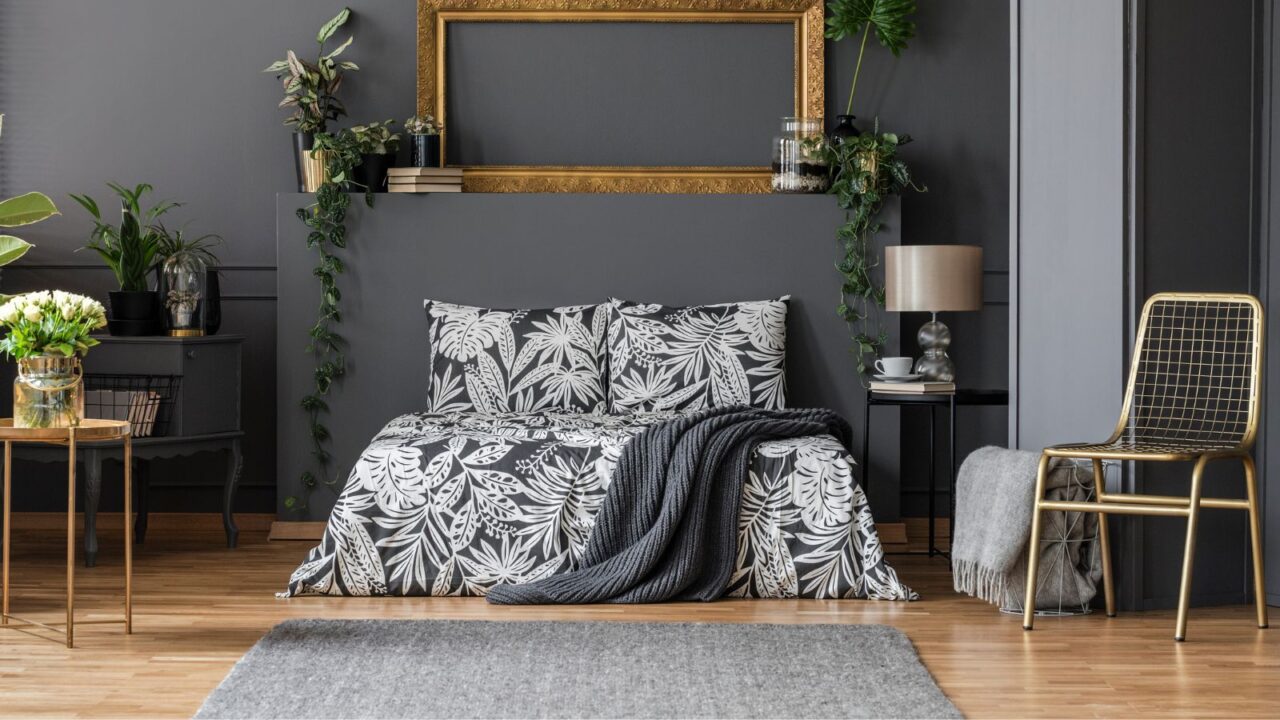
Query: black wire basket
(146, 401)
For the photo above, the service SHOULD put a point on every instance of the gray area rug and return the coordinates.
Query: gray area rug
(437, 669)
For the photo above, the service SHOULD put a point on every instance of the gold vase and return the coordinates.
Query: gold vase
(315, 165)
(48, 392)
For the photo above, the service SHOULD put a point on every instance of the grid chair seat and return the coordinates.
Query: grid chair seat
(1126, 449)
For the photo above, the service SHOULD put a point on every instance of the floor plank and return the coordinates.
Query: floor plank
(199, 607)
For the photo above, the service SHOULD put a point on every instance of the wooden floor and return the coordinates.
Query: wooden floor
(198, 607)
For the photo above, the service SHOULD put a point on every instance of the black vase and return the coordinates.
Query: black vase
(213, 303)
(426, 150)
(844, 129)
(134, 313)
(302, 144)
(371, 172)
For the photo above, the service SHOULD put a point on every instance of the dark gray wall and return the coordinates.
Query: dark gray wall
(1197, 235)
(1269, 267)
(617, 93)
(169, 91)
(543, 250)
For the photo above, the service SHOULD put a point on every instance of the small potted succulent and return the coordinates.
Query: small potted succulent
(377, 146)
(188, 281)
(311, 89)
(130, 250)
(47, 333)
(424, 132)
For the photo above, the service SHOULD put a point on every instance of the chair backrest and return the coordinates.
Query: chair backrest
(1194, 380)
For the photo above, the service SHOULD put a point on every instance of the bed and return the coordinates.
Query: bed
(501, 479)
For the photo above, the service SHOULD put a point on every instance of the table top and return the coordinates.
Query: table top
(962, 396)
(89, 429)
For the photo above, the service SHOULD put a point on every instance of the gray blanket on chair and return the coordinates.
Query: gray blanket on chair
(667, 529)
(995, 500)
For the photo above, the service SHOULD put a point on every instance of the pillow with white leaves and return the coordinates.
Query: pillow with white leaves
(496, 361)
(691, 358)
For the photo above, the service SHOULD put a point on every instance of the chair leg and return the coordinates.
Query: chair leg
(1255, 540)
(1033, 548)
(1104, 537)
(1188, 557)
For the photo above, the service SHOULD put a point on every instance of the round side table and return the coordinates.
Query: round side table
(89, 430)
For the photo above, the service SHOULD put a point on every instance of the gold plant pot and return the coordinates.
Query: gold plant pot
(48, 392)
(314, 169)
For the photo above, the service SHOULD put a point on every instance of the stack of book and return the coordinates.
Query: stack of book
(913, 388)
(424, 180)
(139, 407)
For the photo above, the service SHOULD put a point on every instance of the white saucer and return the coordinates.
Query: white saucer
(899, 378)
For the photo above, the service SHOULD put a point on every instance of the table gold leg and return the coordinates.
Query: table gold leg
(8, 468)
(128, 535)
(71, 536)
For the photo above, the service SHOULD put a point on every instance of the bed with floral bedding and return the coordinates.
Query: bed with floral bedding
(482, 490)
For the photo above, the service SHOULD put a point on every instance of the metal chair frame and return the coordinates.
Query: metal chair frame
(1192, 396)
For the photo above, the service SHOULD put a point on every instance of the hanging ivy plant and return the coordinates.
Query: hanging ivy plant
(865, 169)
(326, 221)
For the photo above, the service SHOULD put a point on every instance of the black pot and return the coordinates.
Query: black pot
(371, 173)
(213, 303)
(133, 313)
(426, 150)
(844, 129)
(302, 143)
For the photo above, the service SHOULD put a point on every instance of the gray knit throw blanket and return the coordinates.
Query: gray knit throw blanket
(667, 528)
(995, 501)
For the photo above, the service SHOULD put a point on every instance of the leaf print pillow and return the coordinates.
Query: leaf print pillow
(499, 361)
(692, 358)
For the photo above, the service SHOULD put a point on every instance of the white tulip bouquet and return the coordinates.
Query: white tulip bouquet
(50, 323)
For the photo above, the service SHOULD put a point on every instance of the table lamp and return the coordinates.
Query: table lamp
(933, 279)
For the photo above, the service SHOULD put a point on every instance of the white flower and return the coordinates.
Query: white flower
(33, 313)
(8, 313)
(68, 310)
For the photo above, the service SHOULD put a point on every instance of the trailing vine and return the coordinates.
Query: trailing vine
(865, 170)
(326, 220)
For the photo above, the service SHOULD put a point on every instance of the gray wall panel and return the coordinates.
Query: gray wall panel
(546, 250)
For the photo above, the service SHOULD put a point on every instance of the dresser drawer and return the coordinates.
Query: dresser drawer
(208, 397)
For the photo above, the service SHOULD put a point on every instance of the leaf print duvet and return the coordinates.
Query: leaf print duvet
(454, 503)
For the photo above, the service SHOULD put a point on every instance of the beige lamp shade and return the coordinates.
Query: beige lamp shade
(933, 278)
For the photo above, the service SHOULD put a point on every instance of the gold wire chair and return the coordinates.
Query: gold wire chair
(1192, 396)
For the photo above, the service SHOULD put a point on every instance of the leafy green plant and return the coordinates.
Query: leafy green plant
(131, 249)
(326, 221)
(26, 209)
(422, 125)
(376, 138)
(865, 170)
(890, 19)
(311, 89)
(179, 242)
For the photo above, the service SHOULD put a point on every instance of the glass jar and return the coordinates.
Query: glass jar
(48, 392)
(185, 275)
(799, 157)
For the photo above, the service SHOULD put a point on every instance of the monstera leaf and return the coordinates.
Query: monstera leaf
(890, 19)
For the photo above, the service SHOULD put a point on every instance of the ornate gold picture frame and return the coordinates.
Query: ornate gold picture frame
(806, 16)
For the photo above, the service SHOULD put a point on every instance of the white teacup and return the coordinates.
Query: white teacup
(894, 366)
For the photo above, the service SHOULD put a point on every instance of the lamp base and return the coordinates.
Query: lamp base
(934, 338)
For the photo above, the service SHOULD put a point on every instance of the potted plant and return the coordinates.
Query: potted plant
(187, 278)
(26, 209)
(47, 333)
(311, 89)
(130, 250)
(425, 134)
(891, 21)
(377, 145)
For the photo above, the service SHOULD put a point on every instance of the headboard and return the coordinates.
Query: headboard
(512, 250)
